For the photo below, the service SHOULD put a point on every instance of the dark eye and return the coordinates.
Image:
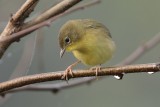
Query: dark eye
(67, 40)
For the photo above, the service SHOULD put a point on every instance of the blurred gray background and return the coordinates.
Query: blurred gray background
(131, 23)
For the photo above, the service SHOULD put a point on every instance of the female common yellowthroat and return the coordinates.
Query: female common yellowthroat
(89, 41)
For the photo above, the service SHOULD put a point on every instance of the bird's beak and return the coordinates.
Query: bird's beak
(62, 52)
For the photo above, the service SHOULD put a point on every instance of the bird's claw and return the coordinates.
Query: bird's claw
(67, 72)
(98, 68)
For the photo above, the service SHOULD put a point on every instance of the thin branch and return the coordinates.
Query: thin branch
(53, 11)
(31, 79)
(24, 32)
(9, 38)
(141, 50)
(15, 22)
(52, 87)
(18, 18)
(144, 50)
(130, 59)
(57, 9)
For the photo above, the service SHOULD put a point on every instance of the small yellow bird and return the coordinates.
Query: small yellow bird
(89, 40)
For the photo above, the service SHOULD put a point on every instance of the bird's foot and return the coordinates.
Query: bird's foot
(96, 69)
(68, 71)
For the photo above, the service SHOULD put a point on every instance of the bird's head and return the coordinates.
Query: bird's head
(69, 36)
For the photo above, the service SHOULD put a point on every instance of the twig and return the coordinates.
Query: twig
(130, 59)
(141, 50)
(63, 85)
(15, 22)
(12, 38)
(31, 79)
(18, 18)
(53, 11)
(24, 32)
(53, 87)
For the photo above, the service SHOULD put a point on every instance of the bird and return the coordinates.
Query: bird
(90, 42)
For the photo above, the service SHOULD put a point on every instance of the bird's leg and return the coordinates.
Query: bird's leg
(69, 70)
(96, 68)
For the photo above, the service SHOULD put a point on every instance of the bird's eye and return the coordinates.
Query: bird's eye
(67, 40)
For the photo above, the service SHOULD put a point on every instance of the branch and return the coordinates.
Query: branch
(55, 10)
(48, 22)
(149, 46)
(15, 22)
(16, 36)
(142, 49)
(18, 18)
(59, 86)
(52, 87)
(31, 79)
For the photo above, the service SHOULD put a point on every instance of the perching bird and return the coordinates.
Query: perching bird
(89, 41)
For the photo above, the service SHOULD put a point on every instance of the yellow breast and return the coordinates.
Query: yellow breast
(94, 50)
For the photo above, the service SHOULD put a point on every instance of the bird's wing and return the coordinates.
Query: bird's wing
(96, 25)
